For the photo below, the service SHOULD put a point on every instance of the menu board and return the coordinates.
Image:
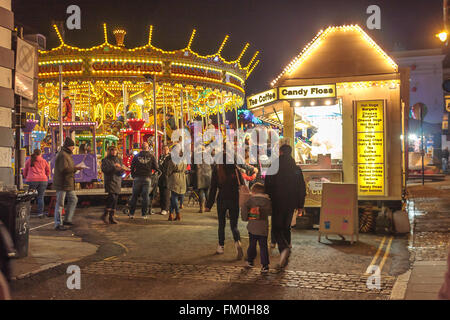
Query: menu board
(339, 213)
(370, 147)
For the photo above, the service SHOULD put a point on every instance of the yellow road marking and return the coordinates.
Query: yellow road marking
(110, 258)
(123, 246)
(375, 257)
(386, 254)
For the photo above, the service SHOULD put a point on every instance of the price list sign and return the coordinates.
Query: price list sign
(370, 147)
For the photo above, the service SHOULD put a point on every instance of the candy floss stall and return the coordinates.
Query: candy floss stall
(341, 106)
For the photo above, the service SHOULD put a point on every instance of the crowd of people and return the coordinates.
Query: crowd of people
(278, 195)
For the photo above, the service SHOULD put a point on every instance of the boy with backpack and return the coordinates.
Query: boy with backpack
(256, 211)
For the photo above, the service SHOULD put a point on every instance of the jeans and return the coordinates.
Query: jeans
(263, 249)
(164, 198)
(111, 201)
(181, 198)
(141, 186)
(233, 208)
(174, 202)
(444, 165)
(71, 205)
(281, 228)
(202, 194)
(40, 186)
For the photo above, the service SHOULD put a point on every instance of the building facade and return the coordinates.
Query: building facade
(6, 92)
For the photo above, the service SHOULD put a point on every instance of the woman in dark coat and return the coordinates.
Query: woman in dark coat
(113, 169)
(226, 178)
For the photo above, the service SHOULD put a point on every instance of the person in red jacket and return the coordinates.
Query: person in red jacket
(36, 174)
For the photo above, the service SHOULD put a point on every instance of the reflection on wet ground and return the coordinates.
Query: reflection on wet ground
(429, 209)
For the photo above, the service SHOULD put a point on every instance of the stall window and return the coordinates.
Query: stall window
(319, 135)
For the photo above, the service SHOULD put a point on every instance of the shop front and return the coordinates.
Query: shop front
(341, 106)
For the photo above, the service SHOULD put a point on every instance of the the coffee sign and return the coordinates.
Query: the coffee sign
(262, 98)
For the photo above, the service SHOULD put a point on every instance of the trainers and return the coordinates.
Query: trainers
(284, 257)
(164, 212)
(264, 269)
(219, 249)
(240, 252)
(60, 228)
(249, 264)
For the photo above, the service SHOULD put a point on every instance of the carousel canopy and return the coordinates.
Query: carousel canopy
(108, 79)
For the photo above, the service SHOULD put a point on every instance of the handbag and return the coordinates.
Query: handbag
(244, 191)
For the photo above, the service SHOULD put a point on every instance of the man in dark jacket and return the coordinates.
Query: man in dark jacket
(141, 170)
(64, 183)
(164, 192)
(287, 191)
(113, 169)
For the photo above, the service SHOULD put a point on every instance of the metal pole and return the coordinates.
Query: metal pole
(154, 118)
(61, 139)
(421, 144)
(182, 120)
(164, 121)
(125, 102)
(237, 118)
(89, 100)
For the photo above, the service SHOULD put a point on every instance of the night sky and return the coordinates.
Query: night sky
(278, 29)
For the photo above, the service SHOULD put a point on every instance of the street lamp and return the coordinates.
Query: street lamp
(443, 36)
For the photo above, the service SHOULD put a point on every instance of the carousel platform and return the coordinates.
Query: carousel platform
(90, 192)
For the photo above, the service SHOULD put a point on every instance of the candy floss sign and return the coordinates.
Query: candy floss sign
(338, 214)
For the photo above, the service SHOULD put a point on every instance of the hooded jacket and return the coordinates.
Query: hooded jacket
(64, 175)
(142, 165)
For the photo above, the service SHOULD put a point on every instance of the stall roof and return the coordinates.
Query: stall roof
(338, 52)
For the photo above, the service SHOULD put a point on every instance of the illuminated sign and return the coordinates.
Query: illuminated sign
(195, 71)
(447, 103)
(370, 147)
(53, 68)
(307, 92)
(125, 66)
(262, 98)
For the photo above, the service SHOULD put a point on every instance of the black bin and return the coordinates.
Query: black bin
(15, 214)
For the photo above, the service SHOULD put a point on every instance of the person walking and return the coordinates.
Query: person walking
(445, 155)
(176, 183)
(142, 166)
(225, 181)
(36, 174)
(64, 184)
(256, 211)
(202, 182)
(287, 192)
(113, 169)
(164, 192)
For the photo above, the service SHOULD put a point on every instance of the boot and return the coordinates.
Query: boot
(170, 217)
(105, 216)
(240, 252)
(111, 217)
(178, 217)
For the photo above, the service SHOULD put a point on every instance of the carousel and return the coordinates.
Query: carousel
(114, 87)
